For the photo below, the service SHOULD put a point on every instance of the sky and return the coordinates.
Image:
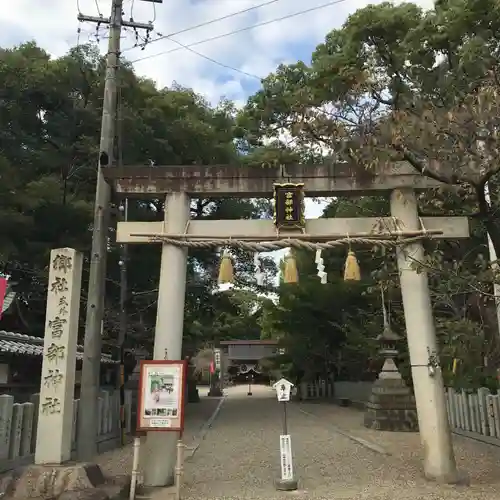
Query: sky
(252, 53)
(226, 67)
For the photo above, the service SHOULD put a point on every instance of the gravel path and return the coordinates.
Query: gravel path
(238, 460)
(480, 461)
(119, 461)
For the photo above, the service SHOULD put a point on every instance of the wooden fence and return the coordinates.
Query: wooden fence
(474, 413)
(18, 425)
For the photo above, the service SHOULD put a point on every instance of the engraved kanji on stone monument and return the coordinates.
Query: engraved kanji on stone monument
(56, 326)
(62, 263)
(50, 406)
(55, 415)
(54, 353)
(63, 306)
(59, 285)
(53, 378)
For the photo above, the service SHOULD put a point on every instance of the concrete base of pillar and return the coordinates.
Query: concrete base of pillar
(458, 478)
(67, 482)
(215, 392)
(158, 457)
(391, 407)
(193, 396)
(286, 485)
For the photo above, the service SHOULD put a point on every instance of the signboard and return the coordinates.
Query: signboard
(162, 386)
(289, 205)
(286, 457)
(217, 359)
(283, 390)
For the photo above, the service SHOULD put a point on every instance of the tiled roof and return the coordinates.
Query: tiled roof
(17, 343)
(8, 299)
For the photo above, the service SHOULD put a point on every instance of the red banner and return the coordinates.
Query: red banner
(3, 290)
(212, 367)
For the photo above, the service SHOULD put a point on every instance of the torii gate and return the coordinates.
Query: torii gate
(179, 183)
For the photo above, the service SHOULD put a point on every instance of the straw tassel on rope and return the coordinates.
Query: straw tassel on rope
(351, 269)
(226, 273)
(290, 273)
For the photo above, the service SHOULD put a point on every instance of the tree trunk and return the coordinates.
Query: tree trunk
(489, 219)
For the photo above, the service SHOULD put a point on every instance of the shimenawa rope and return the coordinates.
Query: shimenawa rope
(269, 246)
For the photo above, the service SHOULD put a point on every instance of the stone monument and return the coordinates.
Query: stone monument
(52, 476)
(391, 406)
(55, 417)
(215, 386)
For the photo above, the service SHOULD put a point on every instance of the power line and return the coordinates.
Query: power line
(236, 32)
(98, 8)
(154, 12)
(208, 23)
(182, 46)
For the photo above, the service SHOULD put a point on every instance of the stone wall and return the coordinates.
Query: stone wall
(18, 425)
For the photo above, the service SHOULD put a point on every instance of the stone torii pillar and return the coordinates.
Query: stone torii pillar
(159, 452)
(239, 181)
(435, 435)
(159, 468)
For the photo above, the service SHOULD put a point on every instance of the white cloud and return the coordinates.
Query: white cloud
(53, 24)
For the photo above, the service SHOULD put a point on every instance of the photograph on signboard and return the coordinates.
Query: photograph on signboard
(161, 394)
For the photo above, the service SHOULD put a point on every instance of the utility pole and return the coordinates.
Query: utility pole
(123, 323)
(87, 418)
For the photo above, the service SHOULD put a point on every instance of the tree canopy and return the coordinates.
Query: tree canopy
(49, 132)
(397, 83)
(394, 83)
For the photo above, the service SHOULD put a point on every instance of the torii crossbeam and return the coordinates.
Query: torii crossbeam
(179, 183)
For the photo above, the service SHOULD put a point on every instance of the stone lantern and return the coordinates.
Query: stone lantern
(388, 350)
(391, 406)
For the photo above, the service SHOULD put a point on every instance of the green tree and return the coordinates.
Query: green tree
(50, 115)
(397, 83)
(320, 326)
